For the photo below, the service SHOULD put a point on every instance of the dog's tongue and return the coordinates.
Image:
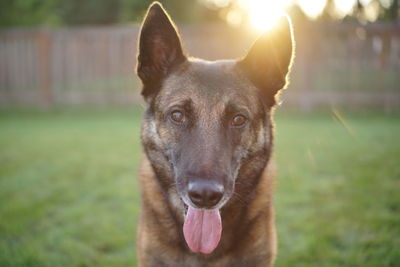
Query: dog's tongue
(202, 229)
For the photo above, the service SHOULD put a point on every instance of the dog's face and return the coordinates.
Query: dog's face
(206, 120)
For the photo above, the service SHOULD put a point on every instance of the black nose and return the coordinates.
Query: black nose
(205, 194)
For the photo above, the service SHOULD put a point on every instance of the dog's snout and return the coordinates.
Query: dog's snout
(205, 194)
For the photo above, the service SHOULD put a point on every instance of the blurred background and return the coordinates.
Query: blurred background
(84, 52)
(70, 111)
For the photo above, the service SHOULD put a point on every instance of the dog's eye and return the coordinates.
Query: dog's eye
(238, 121)
(177, 117)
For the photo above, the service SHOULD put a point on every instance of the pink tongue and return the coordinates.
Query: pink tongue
(202, 229)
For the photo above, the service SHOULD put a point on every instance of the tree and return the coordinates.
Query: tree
(25, 12)
(74, 12)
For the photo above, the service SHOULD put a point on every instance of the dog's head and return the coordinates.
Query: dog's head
(208, 123)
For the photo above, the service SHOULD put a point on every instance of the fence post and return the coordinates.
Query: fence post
(44, 54)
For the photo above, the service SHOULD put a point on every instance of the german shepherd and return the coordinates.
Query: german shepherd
(207, 133)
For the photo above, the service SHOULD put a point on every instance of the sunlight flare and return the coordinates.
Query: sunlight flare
(344, 7)
(264, 14)
(312, 8)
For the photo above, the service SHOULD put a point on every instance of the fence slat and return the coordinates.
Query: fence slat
(96, 65)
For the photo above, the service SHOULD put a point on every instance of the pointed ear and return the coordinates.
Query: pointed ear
(268, 62)
(160, 49)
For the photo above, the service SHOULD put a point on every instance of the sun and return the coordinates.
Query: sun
(263, 14)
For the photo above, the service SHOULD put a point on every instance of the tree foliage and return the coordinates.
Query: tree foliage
(25, 12)
(91, 12)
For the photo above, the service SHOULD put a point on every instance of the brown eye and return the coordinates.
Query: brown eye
(177, 117)
(239, 121)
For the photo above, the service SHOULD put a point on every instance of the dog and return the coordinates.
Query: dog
(207, 133)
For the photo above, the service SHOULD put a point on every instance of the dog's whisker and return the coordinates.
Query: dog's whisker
(244, 184)
(239, 197)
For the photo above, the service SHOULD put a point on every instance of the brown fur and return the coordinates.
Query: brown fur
(159, 241)
(206, 146)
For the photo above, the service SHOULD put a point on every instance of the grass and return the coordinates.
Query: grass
(69, 195)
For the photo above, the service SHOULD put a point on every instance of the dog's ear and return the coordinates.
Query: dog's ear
(160, 49)
(269, 60)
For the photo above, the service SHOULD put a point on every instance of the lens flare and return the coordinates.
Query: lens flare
(263, 14)
(344, 7)
(312, 8)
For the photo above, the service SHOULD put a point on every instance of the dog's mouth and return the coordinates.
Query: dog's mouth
(202, 229)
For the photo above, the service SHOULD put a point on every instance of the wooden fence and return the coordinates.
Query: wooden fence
(339, 65)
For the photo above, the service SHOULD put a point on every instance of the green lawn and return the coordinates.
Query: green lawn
(69, 195)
